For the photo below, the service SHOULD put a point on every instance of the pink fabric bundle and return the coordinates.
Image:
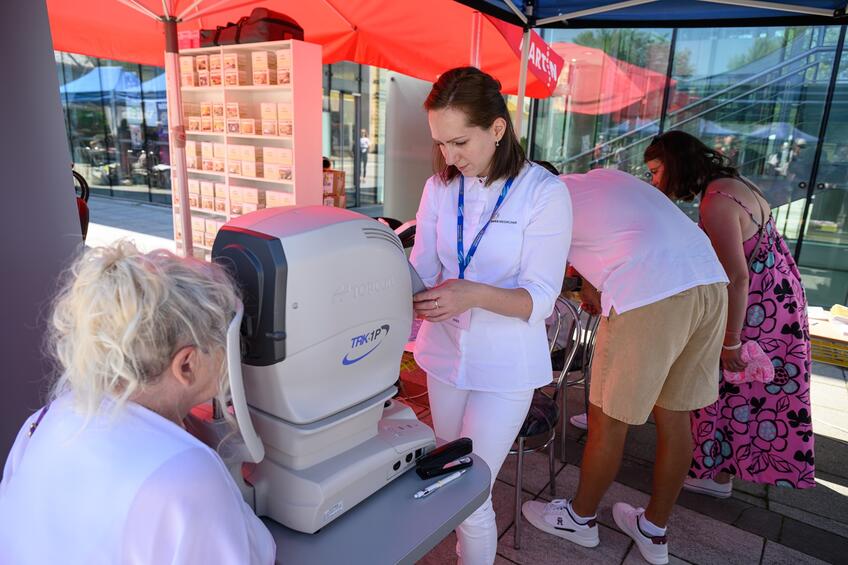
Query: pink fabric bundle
(759, 367)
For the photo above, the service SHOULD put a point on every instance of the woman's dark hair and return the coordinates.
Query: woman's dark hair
(688, 165)
(479, 97)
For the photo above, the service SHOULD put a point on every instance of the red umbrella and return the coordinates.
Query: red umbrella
(414, 39)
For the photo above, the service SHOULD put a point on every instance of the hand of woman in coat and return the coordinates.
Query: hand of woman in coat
(449, 299)
(731, 360)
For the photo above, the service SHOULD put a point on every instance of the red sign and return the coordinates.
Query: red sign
(543, 62)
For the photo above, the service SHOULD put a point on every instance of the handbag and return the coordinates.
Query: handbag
(261, 25)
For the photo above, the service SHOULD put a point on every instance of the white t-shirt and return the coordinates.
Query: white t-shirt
(524, 247)
(136, 489)
(633, 243)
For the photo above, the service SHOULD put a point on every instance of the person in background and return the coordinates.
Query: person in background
(758, 432)
(492, 236)
(364, 147)
(661, 294)
(106, 472)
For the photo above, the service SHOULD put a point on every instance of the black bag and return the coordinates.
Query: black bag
(261, 25)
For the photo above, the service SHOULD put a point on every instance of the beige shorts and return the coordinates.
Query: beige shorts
(664, 354)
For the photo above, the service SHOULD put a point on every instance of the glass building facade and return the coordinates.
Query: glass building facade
(116, 120)
(772, 99)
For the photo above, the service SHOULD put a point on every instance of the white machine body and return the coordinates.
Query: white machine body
(327, 312)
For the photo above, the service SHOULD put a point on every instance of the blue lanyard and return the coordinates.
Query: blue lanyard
(464, 259)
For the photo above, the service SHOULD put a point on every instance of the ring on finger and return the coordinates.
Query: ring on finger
(436, 303)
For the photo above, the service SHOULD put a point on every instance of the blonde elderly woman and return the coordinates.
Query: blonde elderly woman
(106, 472)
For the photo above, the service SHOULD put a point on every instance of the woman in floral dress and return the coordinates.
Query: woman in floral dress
(755, 431)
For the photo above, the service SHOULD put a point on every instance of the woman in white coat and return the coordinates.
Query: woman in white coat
(493, 232)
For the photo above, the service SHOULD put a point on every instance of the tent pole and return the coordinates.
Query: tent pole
(476, 35)
(176, 133)
(522, 83)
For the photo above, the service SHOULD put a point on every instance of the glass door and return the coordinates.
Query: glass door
(823, 258)
(344, 141)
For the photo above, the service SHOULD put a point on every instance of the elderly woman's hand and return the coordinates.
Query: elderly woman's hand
(731, 360)
(449, 299)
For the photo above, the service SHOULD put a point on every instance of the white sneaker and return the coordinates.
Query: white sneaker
(653, 548)
(709, 487)
(556, 519)
(580, 421)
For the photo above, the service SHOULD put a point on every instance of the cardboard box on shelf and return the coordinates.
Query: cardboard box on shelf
(285, 128)
(219, 150)
(216, 78)
(263, 60)
(218, 165)
(252, 195)
(198, 224)
(194, 201)
(215, 63)
(221, 205)
(221, 190)
(237, 110)
(283, 66)
(278, 155)
(191, 162)
(203, 78)
(206, 123)
(239, 61)
(205, 109)
(275, 199)
(188, 79)
(207, 149)
(191, 147)
(235, 208)
(186, 64)
(191, 108)
(264, 78)
(207, 203)
(234, 167)
(249, 169)
(336, 200)
(208, 239)
(247, 126)
(193, 123)
(207, 188)
(210, 226)
(268, 110)
(334, 182)
(219, 125)
(269, 127)
(284, 111)
(250, 153)
(218, 109)
(201, 63)
(235, 194)
(198, 237)
(248, 207)
(193, 186)
(235, 78)
(207, 165)
(233, 126)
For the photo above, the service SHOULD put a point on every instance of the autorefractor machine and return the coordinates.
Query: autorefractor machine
(313, 363)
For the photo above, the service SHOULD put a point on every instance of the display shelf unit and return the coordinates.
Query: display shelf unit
(260, 168)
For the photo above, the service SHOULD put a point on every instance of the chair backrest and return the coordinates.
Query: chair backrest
(590, 336)
(566, 323)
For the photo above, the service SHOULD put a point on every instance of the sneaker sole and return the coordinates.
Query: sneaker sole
(707, 491)
(625, 528)
(539, 522)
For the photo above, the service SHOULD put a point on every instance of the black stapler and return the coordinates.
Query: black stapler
(444, 459)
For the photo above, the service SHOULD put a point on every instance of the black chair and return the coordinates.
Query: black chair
(544, 413)
(391, 222)
(82, 201)
(581, 369)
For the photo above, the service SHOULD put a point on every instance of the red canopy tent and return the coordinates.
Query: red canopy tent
(402, 36)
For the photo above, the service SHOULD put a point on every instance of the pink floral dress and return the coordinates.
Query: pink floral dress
(760, 432)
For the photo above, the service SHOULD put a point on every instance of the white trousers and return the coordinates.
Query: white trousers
(492, 421)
